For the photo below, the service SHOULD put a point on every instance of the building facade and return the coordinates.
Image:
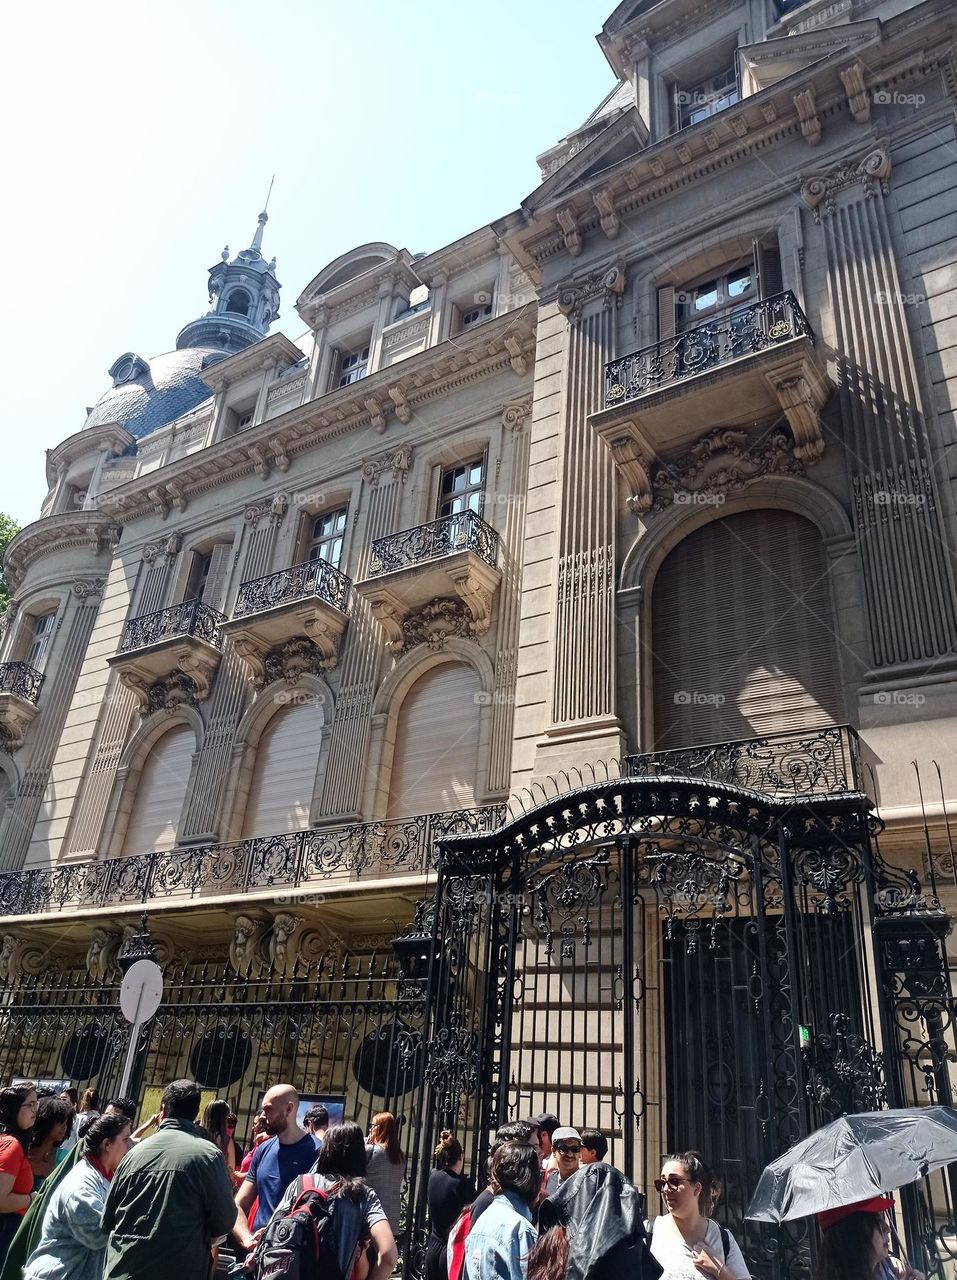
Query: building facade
(536, 686)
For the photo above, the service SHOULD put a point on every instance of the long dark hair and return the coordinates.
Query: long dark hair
(697, 1171)
(515, 1168)
(385, 1133)
(343, 1160)
(549, 1255)
(11, 1100)
(847, 1248)
(214, 1122)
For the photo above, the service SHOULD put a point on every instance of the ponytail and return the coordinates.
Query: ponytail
(696, 1170)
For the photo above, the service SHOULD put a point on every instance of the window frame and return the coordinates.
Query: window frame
(724, 304)
(34, 635)
(706, 97)
(360, 355)
(468, 491)
(314, 541)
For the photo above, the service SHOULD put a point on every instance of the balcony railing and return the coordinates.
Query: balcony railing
(191, 618)
(315, 579)
(20, 679)
(286, 861)
(446, 537)
(816, 762)
(743, 332)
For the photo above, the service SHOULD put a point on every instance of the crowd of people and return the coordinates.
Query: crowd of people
(86, 1196)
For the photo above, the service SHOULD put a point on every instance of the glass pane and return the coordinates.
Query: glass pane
(739, 282)
(706, 296)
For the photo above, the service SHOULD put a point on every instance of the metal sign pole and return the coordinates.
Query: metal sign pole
(140, 997)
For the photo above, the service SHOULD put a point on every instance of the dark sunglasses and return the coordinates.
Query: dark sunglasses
(673, 1183)
(568, 1151)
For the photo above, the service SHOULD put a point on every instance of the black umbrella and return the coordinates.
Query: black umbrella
(853, 1159)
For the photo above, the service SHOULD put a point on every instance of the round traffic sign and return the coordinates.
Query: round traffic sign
(142, 991)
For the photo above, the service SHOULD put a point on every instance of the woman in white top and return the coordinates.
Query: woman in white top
(687, 1242)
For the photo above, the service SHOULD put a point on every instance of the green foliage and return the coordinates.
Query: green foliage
(8, 529)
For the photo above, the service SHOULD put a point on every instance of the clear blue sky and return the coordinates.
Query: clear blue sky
(140, 139)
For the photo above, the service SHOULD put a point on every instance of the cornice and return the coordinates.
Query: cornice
(91, 529)
(457, 256)
(261, 355)
(394, 392)
(108, 436)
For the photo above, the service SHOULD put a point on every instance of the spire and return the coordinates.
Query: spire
(257, 243)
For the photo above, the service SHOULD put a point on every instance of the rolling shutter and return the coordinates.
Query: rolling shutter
(161, 792)
(743, 633)
(284, 775)
(436, 746)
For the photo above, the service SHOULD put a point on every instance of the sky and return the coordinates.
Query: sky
(140, 138)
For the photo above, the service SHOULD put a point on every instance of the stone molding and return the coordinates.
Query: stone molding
(722, 462)
(434, 623)
(71, 530)
(872, 171)
(398, 461)
(607, 283)
(514, 414)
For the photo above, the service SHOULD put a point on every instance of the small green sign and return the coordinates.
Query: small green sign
(805, 1034)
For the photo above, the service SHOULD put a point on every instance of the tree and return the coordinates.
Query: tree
(8, 530)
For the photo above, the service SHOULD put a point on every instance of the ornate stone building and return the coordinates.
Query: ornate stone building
(536, 685)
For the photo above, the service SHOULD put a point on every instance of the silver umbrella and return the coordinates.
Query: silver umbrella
(853, 1159)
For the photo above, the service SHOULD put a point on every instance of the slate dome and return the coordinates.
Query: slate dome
(146, 394)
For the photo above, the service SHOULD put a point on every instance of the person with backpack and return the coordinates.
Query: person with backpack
(326, 1219)
(687, 1241)
(288, 1151)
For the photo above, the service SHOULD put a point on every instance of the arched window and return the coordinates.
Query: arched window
(284, 774)
(436, 744)
(238, 303)
(743, 633)
(161, 792)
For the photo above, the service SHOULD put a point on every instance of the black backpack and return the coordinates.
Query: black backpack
(306, 1242)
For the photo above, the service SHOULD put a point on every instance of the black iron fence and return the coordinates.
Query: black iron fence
(742, 332)
(315, 579)
(819, 761)
(191, 618)
(20, 679)
(402, 846)
(464, 531)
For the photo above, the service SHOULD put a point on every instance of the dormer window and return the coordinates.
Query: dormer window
(238, 303)
(475, 315)
(705, 98)
(127, 368)
(352, 366)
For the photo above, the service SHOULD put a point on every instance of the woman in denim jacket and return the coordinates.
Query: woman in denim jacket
(498, 1245)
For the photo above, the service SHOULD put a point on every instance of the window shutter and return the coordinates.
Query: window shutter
(436, 746)
(214, 589)
(161, 792)
(666, 312)
(772, 281)
(284, 775)
(743, 632)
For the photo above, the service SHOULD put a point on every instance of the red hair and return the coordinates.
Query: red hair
(385, 1133)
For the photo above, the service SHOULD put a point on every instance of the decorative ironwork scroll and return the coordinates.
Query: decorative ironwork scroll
(464, 531)
(315, 579)
(191, 618)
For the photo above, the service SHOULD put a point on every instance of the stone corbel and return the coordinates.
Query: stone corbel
(568, 222)
(403, 410)
(517, 357)
(16, 716)
(160, 500)
(605, 204)
(376, 414)
(635, 469)
(475, 585)
(808, 119)
(802, 394)
(325, 636)
(858, 99)
(21, 957)
(279, 453)
(101, 954)
(177, 495)
(246, 949)
(260, 462)
(390, 612)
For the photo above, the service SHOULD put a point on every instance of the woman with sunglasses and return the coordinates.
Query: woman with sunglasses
(567, 1149)
(686, 1241)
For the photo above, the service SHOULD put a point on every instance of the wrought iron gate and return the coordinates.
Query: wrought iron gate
(680, 963)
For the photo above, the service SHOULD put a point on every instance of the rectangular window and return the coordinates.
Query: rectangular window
(700, 101)
(198, 574)
(715, 297)
(351, 366)
(244, 420)
(475, 315)
(327, 532)
(41, 628)
(462, 488)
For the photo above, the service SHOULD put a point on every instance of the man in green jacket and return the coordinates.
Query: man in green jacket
(170, 1200)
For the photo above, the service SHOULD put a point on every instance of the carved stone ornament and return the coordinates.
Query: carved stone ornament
(168, 547)
(293, 658)
(807, 115)
(172, 692)
(84, 588)
(278, 508)
(20, 958)
(720, 463)
(858, 99)
(604, 201)
(403, 410)
(105, 944)
(568, 221)
(434, 623)
(255, 512)
(609, 285)
(295, 941)
(515, 413)
(872, 171)
(246, 948)
(398, 461)
(634, 467)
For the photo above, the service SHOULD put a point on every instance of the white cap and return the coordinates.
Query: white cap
(560, 1135)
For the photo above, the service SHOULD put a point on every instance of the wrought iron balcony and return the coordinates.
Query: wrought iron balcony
(169, 656)
(287, 861)
(19, 693)
(744, 332)
(192, 618)
(445, 572)
(818, 762)
(21, 681)
(446, 537)
(309, 599)
(745, 370)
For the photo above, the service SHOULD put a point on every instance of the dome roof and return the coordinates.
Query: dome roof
(146, 394)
